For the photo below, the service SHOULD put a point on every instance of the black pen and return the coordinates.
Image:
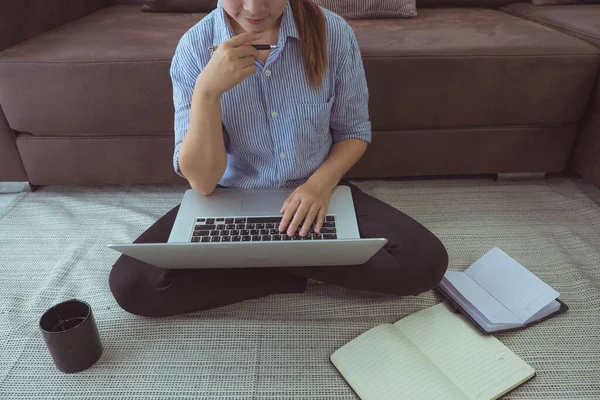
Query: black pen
(256, 46)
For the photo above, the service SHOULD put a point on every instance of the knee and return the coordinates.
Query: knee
(417, 268)
(429, 266)
(130, 289)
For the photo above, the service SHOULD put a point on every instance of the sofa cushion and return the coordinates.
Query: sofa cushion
(582, 20)
(22, 19)
(370, 8)
(178, 5)
(462, 3)
(473, 67)
(554, 2)
(107, 74)
(586, 157)
(126, 2)
(104, 74)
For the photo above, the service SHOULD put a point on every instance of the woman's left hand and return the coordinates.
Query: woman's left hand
(306, 204)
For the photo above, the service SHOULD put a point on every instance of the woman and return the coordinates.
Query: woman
(295, 116)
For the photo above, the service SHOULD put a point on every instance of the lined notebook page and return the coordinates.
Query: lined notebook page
(523, 293)
(382, 364)
(481, 366)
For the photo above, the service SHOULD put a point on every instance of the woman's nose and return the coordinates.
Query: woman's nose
(255, 8)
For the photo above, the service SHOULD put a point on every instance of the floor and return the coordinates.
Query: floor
(10, 191)
(278, 347)
(6, 199)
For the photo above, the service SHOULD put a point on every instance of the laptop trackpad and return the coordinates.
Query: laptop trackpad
(264, 202)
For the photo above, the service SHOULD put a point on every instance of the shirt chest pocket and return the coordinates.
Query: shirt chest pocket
(311, 126)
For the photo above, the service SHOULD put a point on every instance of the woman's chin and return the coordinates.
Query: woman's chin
(253, 28)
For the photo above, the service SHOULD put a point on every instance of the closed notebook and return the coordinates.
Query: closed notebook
(434, 354)
(498, 294)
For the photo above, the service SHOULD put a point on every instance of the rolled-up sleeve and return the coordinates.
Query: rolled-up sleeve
(185, 68)
(350, 111)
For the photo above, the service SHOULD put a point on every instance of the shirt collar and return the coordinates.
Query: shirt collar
(223, 30)
(288, 26)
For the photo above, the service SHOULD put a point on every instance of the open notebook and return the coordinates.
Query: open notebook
(432, 354)
(500, 295)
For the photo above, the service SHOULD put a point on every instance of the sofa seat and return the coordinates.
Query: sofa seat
(586, 160)
(453, 91)
(105, 74)
(581, 20)
(92, 99)
(473, 67)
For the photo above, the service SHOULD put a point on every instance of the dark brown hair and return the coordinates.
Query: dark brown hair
(310, 22)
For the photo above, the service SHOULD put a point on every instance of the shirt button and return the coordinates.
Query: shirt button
(268, 73)
(274, 114)
(282, 155)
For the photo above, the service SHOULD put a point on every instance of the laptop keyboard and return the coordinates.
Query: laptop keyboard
(254, 229)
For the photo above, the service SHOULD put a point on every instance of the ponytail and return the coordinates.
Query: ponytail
(310, 22)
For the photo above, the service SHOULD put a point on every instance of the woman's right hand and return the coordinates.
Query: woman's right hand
(231, 63)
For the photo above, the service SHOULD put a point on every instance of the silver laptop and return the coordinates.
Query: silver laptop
(238, 228)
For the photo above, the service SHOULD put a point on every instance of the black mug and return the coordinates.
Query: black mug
(70, 332)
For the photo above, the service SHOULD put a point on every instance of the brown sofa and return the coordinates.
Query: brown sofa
(582, 21)
(86, 91)
(586, 158)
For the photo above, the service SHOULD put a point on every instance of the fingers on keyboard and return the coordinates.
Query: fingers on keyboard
(254, 229)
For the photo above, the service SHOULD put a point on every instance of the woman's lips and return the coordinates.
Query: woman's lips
(253, 21)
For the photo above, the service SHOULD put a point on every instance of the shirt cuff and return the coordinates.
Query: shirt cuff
(360, 132)
(176, 162)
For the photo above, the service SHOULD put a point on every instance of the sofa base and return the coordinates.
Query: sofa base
(148, 159)
(11, 166)
(98, 160)
(467, 151)
(521, 176)
(587, 154)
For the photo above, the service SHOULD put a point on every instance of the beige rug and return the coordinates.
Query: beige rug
(53, 247)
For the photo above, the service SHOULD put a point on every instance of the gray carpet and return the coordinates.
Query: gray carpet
(53, 247)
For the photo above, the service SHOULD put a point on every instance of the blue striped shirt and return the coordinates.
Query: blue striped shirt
(277, 129)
